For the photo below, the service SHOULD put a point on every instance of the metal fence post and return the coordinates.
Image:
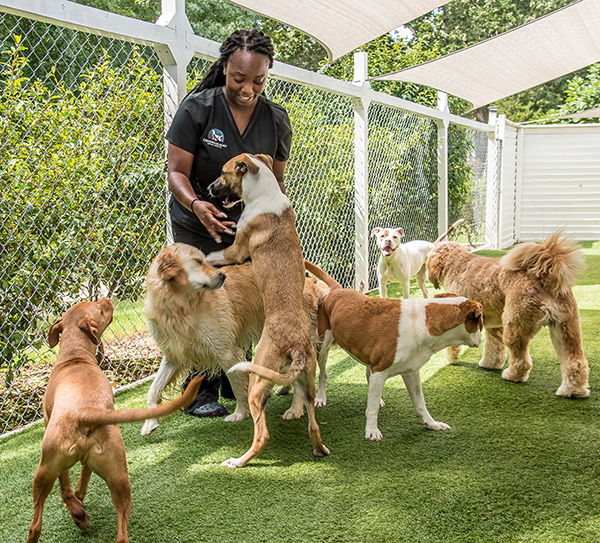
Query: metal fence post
(493, 185)
(174, 58)
(361, 173)
(442, 157)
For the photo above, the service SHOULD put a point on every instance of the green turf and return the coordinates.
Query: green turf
(519, 465)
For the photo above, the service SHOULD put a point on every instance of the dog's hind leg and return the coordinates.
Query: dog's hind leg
(74, 505)
(321, 398)
(165, 376)
(82, 482)
(313, 428)
(43, 482)
(566, 339)
(494, 350)
(517, 336)
(296, 410)
(421, 274)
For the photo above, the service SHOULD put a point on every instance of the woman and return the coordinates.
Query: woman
(227, 114)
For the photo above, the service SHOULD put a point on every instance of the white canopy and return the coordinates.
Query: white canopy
(342, 25)
(549, 47)
(595, 112)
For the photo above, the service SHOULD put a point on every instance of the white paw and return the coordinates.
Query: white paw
(232, 463)
(282, 391)
(236, 416)
(320, 402)
(373, 435)
(292, 414)
(437, 426)
(149, 426)
(381, 404)
(321, 452)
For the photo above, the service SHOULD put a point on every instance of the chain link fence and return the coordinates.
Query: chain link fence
(83, 201)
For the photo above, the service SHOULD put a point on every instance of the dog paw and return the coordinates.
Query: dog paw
(491, 364)
(292, 414)
(233, 463)
(566, 391)
(373, 435)
(149, 426)
(80, 517)
(320, 402)
(437, 426)
(323, 451)
(514, 376)
(236, 417)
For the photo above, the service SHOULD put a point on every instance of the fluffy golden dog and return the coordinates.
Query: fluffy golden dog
(528, 288)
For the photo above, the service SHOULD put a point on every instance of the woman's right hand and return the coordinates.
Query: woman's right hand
(211, 218)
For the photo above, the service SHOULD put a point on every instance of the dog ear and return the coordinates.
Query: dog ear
(90, 327)
(267, 160)
(376, 231)
(474, 316)
(170, 269)
(244, 165)
(55, 332)
(400, 232)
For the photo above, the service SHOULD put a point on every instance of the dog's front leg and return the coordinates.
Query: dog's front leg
(321, 399)
(234, 254)
(78, 513)
(165, 375)
(376, 383)
(415, 391)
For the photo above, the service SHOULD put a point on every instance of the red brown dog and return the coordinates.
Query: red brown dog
(81, 421)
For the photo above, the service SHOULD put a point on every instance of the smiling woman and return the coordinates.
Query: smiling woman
(225, 115)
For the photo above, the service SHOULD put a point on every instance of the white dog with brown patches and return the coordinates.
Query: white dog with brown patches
(393, 337)
(266, 233)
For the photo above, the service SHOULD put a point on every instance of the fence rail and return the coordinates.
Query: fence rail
(85, 99)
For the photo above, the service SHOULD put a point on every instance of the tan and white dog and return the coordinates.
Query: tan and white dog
(266, 233)
(393, 337)
(399, 262)
(81, 420)
(203, 319)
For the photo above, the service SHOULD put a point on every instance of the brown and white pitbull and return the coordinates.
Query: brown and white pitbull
(393, 337)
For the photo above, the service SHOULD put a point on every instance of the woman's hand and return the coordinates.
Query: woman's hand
(211, 217)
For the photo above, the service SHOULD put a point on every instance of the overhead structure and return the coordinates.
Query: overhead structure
(557, 44)
(341, 26)
(588, 113)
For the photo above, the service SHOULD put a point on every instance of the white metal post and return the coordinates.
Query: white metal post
(361, 173)
(491, 200)
(442, 157)
(174, 58)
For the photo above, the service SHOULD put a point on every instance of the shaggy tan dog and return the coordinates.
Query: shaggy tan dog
(528, 288)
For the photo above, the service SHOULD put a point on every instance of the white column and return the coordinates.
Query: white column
(361, 174)
(492, 199)
(442, 156)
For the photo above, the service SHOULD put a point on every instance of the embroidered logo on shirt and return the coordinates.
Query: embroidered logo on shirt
(216, 138)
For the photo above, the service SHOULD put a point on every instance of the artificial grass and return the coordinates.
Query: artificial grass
(519, 465)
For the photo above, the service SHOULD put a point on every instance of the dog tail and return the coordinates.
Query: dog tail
(555, 262)
(282, 379)
(98, 415)
(320, 274)
(447, 232)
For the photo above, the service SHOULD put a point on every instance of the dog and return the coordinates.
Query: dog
(81, 421)
(266, 233)
(204, 318)
(399, 262)
(393, 337)
(528, 288)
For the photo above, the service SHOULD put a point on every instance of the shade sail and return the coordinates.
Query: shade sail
(588, 113)
(549, 47)
(342, 25)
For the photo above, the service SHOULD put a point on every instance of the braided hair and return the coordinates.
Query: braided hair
(253, 40)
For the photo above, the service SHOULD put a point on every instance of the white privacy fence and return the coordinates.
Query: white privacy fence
(85, 97)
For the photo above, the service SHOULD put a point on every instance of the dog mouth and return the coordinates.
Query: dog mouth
(387, 250)
(228, 204)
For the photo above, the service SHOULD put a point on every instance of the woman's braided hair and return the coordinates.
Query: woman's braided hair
(253, 40)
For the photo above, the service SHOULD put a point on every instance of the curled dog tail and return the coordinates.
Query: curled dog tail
(555, 262)
(98, 415)
(282, 379)
(320, 274)
(447, 232)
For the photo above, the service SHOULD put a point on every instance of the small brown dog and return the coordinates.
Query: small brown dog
(81, 421)
(266, 233)
(528, 288)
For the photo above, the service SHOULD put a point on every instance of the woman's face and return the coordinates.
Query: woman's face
(245, 78)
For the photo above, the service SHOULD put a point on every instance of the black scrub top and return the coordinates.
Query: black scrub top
(205, 127)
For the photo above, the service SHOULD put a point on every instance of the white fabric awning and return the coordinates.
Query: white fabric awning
(549, 47)
(341, 26)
